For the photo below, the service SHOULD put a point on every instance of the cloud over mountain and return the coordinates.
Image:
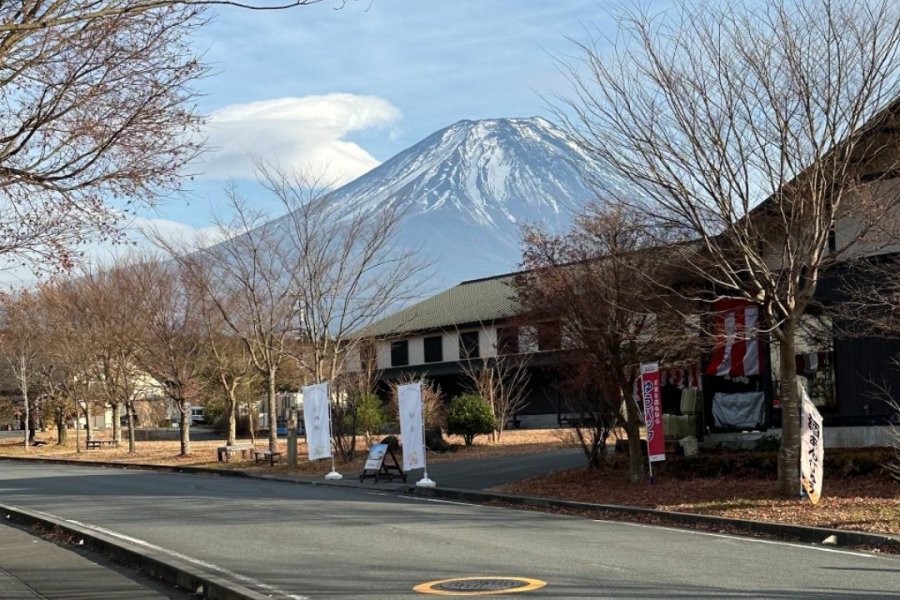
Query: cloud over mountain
(306, 134)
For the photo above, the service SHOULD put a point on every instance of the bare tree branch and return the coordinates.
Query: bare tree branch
(761, 132)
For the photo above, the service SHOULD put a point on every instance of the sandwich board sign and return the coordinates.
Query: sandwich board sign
(381, 462)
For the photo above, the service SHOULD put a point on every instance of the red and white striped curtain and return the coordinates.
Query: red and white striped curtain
(680, 377)
(737, 352)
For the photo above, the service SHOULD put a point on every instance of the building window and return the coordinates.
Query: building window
(468, 345)
(434, 350)
(507, 341)
(400, 353)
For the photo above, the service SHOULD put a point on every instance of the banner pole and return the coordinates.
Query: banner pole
(333, 475)
(425, 481)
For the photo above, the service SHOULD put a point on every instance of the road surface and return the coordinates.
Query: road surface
(304, 541)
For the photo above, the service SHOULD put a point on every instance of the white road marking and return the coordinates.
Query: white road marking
(437, 501)
(206, 565)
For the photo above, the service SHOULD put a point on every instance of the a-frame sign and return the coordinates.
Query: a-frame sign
(381, 462)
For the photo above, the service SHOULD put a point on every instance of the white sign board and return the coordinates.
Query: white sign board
(812, 449)
(317, 420)
(409, 400)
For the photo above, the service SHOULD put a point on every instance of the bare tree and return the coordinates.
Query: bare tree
(58, 14)
(347, 270)
(502, 380)
(346, 266)
(228, 366)
(752, 129)
(247, 280)
(22, 348)
(112, 333)
(304, 285)
(594, 290)
(97, 108)
(98, 105)
(172, 341)
(69, 347)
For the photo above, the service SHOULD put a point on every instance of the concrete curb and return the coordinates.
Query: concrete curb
(147, 560)
(801, 533)
(135, 466)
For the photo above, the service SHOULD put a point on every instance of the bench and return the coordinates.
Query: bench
(513, 422)
(585, 421)
(225, 452)
(99, 443)
(267, 456)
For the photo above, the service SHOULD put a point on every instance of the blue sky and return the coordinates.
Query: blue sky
(343, 90)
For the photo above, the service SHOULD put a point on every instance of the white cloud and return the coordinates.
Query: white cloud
(296, 133)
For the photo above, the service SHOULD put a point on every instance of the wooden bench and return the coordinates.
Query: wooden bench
(577, 421)
(99, 443)
(513, 422)
(225, 452)
(267, 456)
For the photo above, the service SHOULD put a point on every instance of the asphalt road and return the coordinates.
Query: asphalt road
(484, 473)
(303, 541)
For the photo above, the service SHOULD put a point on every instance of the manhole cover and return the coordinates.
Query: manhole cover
(479, 586)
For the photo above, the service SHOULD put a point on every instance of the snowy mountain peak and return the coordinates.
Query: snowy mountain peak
(491, 173)
(468, 189)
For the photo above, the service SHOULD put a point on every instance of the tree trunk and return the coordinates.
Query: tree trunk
(34, 424)
(270, 399)
(77, 430)
(595, 455)
(232, 423)
(129, 411)
(117, 427)
(230, 411)
(27, 417)
(633, 432)
(251, 421)
(61, 431)
(27, 424)
(185, 424)
(789, 453)
(89, 427)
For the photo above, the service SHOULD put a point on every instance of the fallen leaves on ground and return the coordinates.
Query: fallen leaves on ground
(864, 503)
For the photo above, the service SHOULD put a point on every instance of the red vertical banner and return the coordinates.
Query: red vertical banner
(656, 443)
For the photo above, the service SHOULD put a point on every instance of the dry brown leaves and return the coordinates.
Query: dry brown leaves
(865, 503)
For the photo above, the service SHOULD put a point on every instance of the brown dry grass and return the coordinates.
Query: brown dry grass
(203, 453)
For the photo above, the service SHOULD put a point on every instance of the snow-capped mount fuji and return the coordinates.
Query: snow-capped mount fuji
(491, 173)
(468, 188)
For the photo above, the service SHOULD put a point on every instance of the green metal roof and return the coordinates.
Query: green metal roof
(476, 301)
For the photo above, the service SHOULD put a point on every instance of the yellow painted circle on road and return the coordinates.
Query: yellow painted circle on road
(479, 586)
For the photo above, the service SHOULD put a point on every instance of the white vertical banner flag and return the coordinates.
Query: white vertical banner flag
(409, 400)
(317, 420)
(812, 449)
